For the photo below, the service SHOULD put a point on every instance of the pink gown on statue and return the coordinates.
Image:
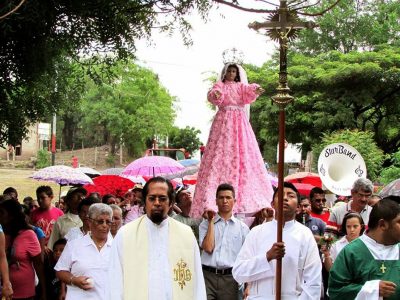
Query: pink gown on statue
(232, 154)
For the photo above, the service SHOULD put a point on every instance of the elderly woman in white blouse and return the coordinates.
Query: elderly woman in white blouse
(117, 219)
(84, 261)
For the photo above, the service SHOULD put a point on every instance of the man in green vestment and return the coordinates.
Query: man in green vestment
(368, 268)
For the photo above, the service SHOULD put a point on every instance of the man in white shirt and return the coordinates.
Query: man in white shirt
(301, 265)
(221, 237)
(71, 218)
(368, 268)
(361, 192)
(156, 257)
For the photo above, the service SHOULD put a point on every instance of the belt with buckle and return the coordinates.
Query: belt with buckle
(217, 271)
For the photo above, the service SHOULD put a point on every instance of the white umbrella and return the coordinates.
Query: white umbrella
(63, 175)
(89, 172)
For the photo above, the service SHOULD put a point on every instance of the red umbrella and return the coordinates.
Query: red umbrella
(190, 179)
(305, 177)
(110, 184)
(303, 188)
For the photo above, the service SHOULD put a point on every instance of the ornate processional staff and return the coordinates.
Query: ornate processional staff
(283, 25)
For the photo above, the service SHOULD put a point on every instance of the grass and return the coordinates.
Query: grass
(19, 179)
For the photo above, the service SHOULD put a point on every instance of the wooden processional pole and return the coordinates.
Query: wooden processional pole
(283, 25)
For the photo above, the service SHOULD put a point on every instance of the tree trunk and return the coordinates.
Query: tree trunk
(68, 131)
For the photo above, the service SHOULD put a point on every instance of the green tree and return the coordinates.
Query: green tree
(187, 138)
(333, 91)
(41, 33)
(352, 25)
(134, 107)
(362, 141)
(393, 171)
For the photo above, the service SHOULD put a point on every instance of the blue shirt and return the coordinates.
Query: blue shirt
(1, 228)
(39, 232)
(229, 237)
(317, 226)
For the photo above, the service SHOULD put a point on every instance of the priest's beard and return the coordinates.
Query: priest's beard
(157, 217)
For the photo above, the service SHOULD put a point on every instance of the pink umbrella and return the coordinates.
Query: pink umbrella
(152, 166)
(144, 179)
(273, 179)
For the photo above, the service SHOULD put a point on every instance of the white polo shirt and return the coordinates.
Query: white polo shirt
(338, 213)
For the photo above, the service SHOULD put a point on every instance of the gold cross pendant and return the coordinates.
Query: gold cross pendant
(383, 268)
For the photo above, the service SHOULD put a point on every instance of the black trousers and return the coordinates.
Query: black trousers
(220, 287)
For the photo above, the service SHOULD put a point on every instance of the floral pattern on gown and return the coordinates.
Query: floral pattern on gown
(232, 154)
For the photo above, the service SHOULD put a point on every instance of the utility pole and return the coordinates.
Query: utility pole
(53, 140)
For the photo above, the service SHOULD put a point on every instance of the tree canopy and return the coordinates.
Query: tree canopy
(333, 91)
(352, 25)
(393, 171)
(187, 138)
(39, 34)
(129, 110)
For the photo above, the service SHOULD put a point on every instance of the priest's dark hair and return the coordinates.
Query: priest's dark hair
(171, 191)
(348, 216)
(225, 187)
(290, 186)
(386, 209)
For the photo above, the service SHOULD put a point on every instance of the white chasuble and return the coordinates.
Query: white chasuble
(156, 262)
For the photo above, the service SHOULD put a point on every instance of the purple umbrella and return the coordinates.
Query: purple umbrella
(273, 179)
(152, 166)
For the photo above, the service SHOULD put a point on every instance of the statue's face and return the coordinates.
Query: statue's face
(231, 74)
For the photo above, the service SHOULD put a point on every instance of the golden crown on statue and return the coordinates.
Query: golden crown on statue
(232, 55)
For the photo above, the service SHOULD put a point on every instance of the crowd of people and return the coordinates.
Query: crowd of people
(161, 243)
(90, 249)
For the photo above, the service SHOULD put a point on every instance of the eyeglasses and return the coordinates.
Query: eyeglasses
(161, 199)
(101, 222)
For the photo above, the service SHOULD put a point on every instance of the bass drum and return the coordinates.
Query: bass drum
(339, 165)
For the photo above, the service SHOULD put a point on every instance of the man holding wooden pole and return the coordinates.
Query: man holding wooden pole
(301, 265)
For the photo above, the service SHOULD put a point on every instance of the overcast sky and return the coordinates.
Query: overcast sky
(183, 70)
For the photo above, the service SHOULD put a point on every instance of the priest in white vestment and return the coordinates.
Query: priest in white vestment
(301, 264)
(156, 257)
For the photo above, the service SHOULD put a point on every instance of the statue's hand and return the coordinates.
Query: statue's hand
(260, 91)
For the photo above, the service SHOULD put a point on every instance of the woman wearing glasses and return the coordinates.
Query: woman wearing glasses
(84, 261)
